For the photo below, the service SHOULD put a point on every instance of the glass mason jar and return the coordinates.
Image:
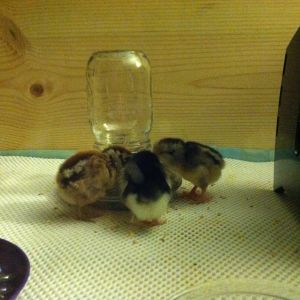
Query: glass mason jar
(119, 99)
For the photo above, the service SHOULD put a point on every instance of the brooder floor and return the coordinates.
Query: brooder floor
(245, 232)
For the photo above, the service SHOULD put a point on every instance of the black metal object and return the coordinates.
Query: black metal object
(287, 152)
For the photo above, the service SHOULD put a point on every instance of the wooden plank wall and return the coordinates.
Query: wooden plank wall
(216, 67)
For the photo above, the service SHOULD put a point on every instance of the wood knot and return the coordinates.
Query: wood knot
(37, 90)
(12, 36)
(12, 33)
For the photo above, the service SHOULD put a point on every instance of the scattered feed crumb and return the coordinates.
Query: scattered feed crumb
(134, 242)
(163, 238)
(222, 197)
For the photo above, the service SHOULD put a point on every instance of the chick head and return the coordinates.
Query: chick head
(171, 151)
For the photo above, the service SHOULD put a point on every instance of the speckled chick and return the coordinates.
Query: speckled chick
(147, 193)
(117, 156)
(83, 179)
(195, 162)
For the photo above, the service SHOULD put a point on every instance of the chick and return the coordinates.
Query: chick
(83, 179)
(147, 193)
(173, 179)
(195, 162)
(117, 156)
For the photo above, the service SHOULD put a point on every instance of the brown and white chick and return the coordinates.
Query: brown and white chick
(84, 179)
(199, 164)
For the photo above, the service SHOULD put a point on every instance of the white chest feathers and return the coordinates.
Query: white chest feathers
(149, 211)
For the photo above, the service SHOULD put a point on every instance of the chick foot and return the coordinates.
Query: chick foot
(88, 212)
(197, 198)
(153, 222)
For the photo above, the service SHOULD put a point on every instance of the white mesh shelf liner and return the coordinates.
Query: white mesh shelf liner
(245, 232)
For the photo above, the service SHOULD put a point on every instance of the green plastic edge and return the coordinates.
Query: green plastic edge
(235, 153)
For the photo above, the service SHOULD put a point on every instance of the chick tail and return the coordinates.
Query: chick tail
(152, 211)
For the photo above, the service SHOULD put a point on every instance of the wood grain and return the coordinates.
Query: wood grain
(216, 67)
